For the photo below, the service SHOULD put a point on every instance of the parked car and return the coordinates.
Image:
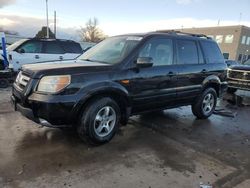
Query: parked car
(120, 77)
(231, 63)
(27, 51)
(239, 77)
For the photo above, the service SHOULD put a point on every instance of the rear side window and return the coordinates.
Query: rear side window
(212, 52)
(187, 52)
(71, 47)
(53, 48)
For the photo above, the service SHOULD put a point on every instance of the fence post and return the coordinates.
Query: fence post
(2, 36)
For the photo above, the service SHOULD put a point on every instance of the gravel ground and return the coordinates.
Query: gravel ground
(166, 149)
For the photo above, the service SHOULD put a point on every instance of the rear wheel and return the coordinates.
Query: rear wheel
(99, 121)
(4, 83)
(205, 104)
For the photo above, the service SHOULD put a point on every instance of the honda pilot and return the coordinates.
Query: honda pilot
(120, 77)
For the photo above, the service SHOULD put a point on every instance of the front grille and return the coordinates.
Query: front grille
(22, 80)
(239, 84)
(239, 75)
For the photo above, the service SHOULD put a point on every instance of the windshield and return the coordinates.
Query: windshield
(16, 44)
(112, 50)
(247, 62)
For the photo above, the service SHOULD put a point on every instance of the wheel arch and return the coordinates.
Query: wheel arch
(118, 94)
(214, 82)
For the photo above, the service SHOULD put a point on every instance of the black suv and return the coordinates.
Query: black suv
(123, 76)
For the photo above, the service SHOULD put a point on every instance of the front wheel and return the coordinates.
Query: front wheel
(99, 121)
(205, 105)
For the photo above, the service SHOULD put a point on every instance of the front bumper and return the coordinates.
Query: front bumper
(45, 110)
(27, 112)
(243, 85)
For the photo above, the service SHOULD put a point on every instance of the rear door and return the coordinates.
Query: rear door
(72, 49)
(191, 69)
(154, 87)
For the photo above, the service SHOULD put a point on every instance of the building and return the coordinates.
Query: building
(234, 41)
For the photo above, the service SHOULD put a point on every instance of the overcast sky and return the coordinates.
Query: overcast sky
(121, 16)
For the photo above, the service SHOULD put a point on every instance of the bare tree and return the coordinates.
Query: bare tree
(91, 32)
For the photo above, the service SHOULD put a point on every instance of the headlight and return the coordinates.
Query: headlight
(53, 84)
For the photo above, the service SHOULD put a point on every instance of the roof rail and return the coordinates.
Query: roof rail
(52, 39)
(184, 33)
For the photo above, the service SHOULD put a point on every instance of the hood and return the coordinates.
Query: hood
(64, 67)
(240, 67)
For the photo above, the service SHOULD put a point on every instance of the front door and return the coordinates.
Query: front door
(154, 87)
(29, 52)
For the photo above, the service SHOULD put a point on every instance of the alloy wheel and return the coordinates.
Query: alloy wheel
(208, 103)
(105, 121)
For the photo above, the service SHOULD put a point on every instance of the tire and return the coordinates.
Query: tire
(231, 90)
(205, 104)
(4, 83)
(99, 121)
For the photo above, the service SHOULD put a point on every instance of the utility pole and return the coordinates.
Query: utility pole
(240, 18)
(218, 24)
(55, 23)
(47, 16)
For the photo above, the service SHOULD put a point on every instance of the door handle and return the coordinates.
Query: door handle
(170, 74)
(204, 71)
(61, 57)
(37, 57)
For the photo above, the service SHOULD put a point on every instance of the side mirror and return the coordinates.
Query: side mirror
(21, 51)
(143, 62)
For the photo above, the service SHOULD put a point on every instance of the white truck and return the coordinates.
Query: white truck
(27, 51)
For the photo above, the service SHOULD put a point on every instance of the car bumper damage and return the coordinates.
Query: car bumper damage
(49, 114)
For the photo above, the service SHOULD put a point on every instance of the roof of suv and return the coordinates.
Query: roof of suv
(172, 33)
(45, 39)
